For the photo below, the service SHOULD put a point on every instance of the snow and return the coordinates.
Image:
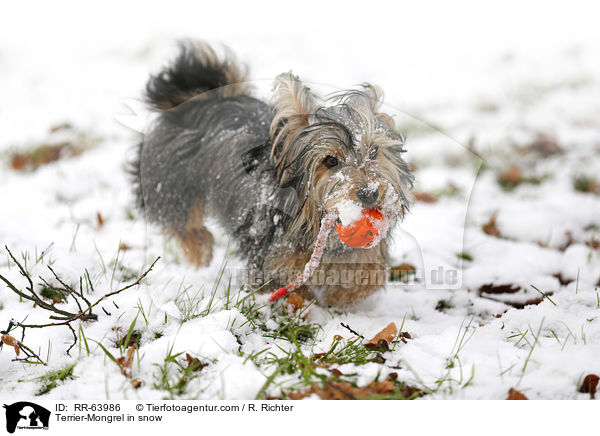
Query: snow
(349, 211)
(464, 90)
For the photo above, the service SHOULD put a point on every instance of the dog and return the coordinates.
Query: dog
(268, 172)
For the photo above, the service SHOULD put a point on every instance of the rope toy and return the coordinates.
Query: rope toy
(363, 233)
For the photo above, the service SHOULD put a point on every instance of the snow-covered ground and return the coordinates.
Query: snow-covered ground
(476, 90)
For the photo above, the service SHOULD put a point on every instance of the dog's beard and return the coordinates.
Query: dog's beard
(343, 201)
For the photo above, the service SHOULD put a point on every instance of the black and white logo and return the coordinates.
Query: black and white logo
(25, 415)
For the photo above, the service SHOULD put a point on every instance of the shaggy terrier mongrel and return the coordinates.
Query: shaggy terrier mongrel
(270, 172)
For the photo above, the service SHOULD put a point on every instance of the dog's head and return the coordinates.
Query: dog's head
(341, 154)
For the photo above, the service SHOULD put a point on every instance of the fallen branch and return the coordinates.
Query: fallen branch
(64, 317)
(347, 327)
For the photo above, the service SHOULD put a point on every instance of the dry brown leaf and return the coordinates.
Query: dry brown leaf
(9, 340)
(296, 301)
(388, 334)
(410, 392)
(424, 197)
(491, 288)
(402, 272)
(19, 162)
(491, 228)
(382, 387)
(336, 373)
(130, 352)
(99, 220)
(589, 385)
(498, 290)
(300, 395)
(403, 268)
(379, 358)
(335, 390)
(522, 304)
(193, 363)
(511, 176)
(593, 244)
(42, 155)
(343, 391)
(513, 394)
(544, 145)
(126, 361)
(381, 345)
(136, 383)
(570, 240)
(561, 279)
(331, 391)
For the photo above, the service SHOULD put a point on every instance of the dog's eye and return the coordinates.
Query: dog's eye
(373, 152)
(330, 161)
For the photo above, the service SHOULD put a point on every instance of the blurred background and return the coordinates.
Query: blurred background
(66, 60)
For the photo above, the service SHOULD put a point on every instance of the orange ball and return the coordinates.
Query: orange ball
(364, 232)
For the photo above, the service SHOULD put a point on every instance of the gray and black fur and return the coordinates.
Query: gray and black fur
(267, 172)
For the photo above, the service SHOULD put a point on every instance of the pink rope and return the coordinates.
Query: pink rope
(315, 259)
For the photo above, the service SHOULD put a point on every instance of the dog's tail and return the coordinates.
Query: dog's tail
(195, 71)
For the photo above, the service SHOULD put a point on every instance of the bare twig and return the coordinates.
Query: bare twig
(352, 331)
(90, 316)
(32, 296)
(63, 317)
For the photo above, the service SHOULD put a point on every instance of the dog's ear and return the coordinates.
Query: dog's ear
(291, 98)
(292, 103)
(371, 98)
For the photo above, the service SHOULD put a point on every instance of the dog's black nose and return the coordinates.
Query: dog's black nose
(367, 196)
